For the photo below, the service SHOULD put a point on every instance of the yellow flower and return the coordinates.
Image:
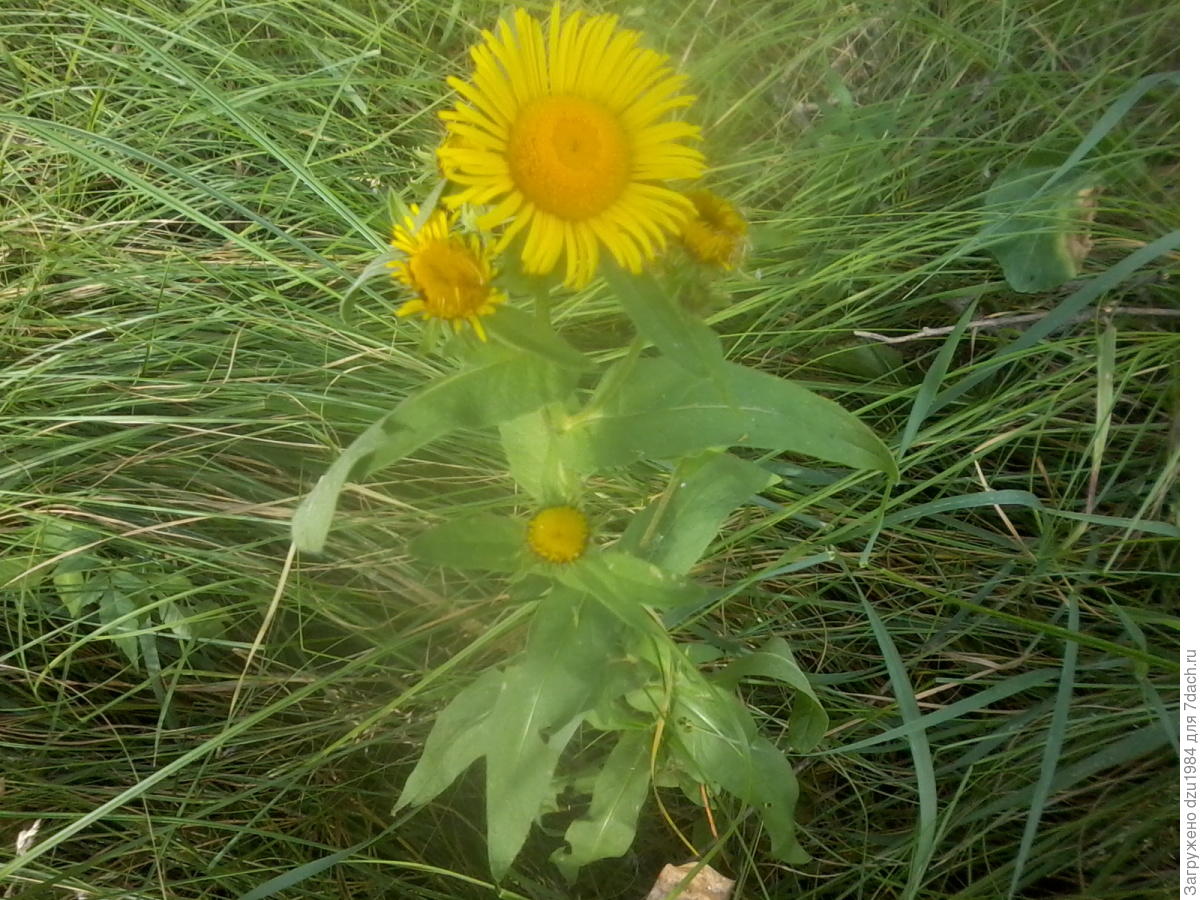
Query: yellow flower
(558, 534)
(450, 273)
(717, 234)
(564, 133)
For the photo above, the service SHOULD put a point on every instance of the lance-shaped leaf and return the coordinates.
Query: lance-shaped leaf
(808, 721)
(523, 332)
(574, 660)
(673, 531)
(626, 585)
(483, 541)
(458, 739)
(520, 770)
(659, 318)
(520, 718)
(611, 823)
(1039, 234)
(664, 411)
(534, 449)
(717, 737)
(474, 398)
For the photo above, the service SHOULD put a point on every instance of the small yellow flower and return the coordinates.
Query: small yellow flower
(564, 131)
(451, 274)
(558, 534)
(717, 234)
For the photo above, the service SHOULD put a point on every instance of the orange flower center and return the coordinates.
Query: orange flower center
(448, 277)
(569, 156)
(558, 534)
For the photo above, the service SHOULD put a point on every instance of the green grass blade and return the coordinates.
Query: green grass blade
(926, 776)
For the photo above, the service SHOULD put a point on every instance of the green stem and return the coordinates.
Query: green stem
(541, 306)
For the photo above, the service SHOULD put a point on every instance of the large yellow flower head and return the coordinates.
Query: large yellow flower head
(564, 133)
(451, 274)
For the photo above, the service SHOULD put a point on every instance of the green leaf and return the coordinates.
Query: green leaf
(808, 721)
(626, 585)
(869, 361)
(674, 531)
(611, 823)
(523, 332)
(1038, 231)
(664, 411)
(574, 648)
(1053, 750)
(117, 612)
(924, 770)
(711, 728)
(520, 781)
(15, 574)
(482, 541)
(474, 398)
(659, 319)
(1092, 290)
(521, 718)
(534, 448)
(77, 589)
(55, 537)
(458, 739)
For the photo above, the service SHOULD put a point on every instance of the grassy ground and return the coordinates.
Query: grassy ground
(188, 189)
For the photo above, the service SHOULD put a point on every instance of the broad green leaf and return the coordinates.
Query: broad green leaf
(673, 531)
(523, 332)
(53, 537)
(120, 624)
(474, 398)
(482, 541)
(457, 739)
(717, 734)
(77, 587)
(22, 554)
(626, 585)
(659, 319)
(15, 574)
(808, 721)
(1039, 234)
(611, 823)
(573, 645)
(534, 449)
(664, 411)
(869, 360)
(521, 718)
